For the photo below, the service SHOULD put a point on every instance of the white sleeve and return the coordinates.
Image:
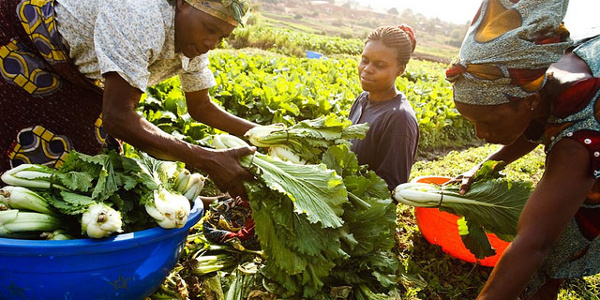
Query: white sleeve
(128, 39)
(198, 75)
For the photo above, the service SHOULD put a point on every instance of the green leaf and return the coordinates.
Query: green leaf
(313, 189)
(70, 203)
(497, 204)
(490, 169)
(474, 239)
(76, 181)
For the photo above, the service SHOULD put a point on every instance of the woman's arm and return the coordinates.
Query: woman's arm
(507, 153)
(202, 109)
(557, 197)
(121, 121)
(514, 151)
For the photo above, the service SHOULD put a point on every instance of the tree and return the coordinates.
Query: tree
(393, 11)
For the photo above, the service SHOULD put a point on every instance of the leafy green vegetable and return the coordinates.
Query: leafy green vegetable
(297, 209)
(316, 232)
(16, 223)
(309, 139)
(19, 197)
(370, 224)
(138, 188)
(492, 204)
(314, 190)
(101, 220)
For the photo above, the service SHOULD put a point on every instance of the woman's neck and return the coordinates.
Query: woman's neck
(383, 95)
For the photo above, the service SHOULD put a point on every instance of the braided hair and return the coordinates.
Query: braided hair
(401, 38)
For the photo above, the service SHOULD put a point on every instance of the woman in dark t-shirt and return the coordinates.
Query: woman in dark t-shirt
(390, 145)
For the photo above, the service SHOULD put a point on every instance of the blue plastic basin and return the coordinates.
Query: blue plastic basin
(313, 54)
(127, 266)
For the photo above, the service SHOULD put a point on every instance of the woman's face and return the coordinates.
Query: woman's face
(378, 67)
(498, 124)
(197, 32)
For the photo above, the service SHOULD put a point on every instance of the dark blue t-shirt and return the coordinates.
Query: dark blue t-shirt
(390, 145)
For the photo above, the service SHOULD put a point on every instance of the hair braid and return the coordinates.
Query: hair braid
(401, 38)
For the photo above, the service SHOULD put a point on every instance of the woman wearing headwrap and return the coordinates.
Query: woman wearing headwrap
(72, 72)
(390, 145)
(522, 82)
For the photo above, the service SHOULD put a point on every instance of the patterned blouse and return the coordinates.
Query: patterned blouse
(136, 40)
(576, 111)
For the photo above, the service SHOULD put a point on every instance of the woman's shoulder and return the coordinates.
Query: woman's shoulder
(403, 105)
(401, 112)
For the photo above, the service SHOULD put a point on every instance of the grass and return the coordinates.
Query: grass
(288, 22)
(429, 273)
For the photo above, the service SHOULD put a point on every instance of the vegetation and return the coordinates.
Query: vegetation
(436, 40)
(277, 84)
(270, 88)
(267, 88)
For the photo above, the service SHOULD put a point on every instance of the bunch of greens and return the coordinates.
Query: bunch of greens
(308, 139)
(326, 229)
(369, 226)
(492, 204)
(97, 196)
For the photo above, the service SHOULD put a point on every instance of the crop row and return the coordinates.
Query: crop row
(267, 88)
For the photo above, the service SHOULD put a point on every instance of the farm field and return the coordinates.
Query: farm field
(263, 75)
(268, 87)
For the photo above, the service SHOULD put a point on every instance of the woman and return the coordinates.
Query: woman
(73, 72)
(390, 145)
(522, 82)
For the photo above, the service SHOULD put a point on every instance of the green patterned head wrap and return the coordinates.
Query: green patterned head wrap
(230, 11)
(507, 50)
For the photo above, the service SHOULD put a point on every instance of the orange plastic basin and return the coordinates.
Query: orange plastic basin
(440, 228)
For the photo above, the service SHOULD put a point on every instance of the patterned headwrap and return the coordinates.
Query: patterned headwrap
(230, 11)
(508, 49)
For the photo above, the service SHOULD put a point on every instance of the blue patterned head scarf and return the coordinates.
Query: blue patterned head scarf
(230, 11)
(508, 49)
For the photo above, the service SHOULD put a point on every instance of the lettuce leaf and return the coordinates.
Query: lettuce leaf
(314, 190)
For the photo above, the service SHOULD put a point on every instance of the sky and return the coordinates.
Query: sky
(581, 19)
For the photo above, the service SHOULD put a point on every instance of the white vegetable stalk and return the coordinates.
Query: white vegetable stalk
(188, 184)
(182, 180)
(427, 195)
(286, 154)
(13, 222)
(194, 186)
(30, 176)
(256, 134)
(169, 209)
(56, 235)
(23, 198)
(227, 141)
(205, 264)
(100, 220)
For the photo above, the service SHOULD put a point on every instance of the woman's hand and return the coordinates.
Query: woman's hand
(465, 179)
(224, 169)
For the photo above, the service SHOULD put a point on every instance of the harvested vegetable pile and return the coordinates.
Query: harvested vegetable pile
(95, 196)
(325, 229)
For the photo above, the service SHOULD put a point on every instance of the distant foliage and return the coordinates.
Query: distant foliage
(292, 42)
(267, 88)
